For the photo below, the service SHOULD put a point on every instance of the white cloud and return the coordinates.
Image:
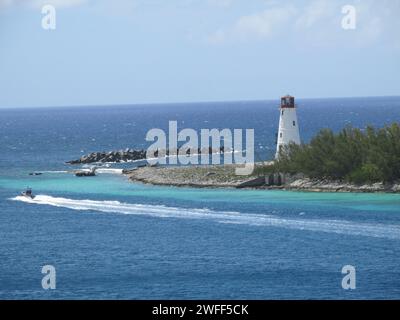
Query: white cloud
(378, 20)
(260, 25)
(40, 3)
(121, 8)
(220, 3)
(317, 23)
(111, 7)
(263, 24)
(316, 12)
(8, 3)
(59, 3)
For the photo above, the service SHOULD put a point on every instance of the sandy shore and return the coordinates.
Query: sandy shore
(223, 176)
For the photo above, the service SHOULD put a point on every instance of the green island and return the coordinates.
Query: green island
(353, 160)
(352, 155)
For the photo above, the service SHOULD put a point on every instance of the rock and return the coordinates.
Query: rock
(85, 173)
(111, 156)
(258, 182)
(395, 187)
(152, 165)
(128, 171)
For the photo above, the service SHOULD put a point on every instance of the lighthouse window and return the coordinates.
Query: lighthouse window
(294, 123)
(282, 112)
(281, 135)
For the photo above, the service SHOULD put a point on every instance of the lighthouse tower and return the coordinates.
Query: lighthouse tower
(288, 125)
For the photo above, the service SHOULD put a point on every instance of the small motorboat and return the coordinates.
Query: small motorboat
(27, 193)
(35, 173)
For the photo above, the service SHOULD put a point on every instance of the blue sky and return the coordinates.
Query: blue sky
(154, 51)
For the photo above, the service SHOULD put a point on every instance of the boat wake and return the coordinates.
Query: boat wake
(98, 170)
(388, 231)
(54, 171)
(109, 170)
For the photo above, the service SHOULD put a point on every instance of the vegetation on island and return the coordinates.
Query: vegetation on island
(353, 155)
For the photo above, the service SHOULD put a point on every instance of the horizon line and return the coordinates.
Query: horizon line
(188, 102)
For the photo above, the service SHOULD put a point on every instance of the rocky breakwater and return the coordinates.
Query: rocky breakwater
(111, 156)
(132, 155)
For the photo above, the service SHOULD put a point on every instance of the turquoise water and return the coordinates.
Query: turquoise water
(110, 238)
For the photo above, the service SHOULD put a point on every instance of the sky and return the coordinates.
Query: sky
(109, 52)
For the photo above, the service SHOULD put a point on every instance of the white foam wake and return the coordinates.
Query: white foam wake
(109, 170)
(54, 171)
(389, 231)
(104, 170)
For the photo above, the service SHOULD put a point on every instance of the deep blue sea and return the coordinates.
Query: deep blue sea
(111, 238)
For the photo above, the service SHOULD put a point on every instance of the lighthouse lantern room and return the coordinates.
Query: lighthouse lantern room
(288, 125)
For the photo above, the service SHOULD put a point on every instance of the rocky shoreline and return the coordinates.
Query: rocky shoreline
(223, 176)
(306, 184)
(190, 176)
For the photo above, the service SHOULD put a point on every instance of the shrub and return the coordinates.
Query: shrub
(367, 173)
(359, 156)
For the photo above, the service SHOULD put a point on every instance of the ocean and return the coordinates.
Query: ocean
(109, 238)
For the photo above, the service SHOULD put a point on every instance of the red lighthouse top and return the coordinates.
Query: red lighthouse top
(287, 102)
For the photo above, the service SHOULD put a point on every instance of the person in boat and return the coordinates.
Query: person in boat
(28, 193)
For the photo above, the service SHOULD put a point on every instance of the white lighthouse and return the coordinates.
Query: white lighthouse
(288, 125)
